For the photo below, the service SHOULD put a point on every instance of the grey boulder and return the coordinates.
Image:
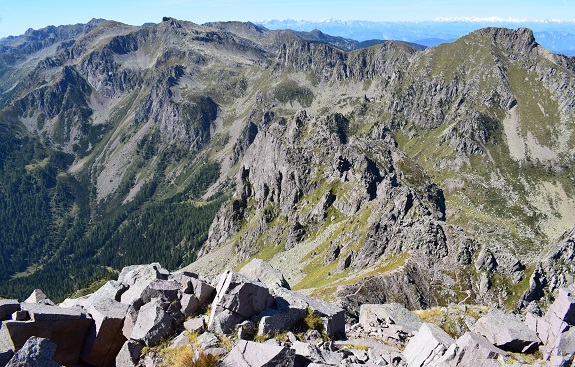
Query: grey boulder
(332, 316)
(111, 290)
(261, 271)
(202, 290)
(36, 352)
(129, 354)
(195, 325)
(37, 296)
(506, 331)
(251, 354)
(153, 323)
(428, 346)
(390, 313)
(237, 299)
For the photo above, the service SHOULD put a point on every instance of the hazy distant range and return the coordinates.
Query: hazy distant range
(555, 35)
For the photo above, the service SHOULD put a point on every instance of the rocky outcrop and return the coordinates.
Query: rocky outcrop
(67, 328)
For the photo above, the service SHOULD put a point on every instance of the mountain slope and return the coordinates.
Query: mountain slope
(439, 175)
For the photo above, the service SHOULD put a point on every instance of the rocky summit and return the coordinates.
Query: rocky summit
(151, 317)
(337, 203)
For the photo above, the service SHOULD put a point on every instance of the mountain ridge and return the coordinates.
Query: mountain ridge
(442, 172)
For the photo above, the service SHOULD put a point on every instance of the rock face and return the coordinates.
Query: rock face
(555, 328)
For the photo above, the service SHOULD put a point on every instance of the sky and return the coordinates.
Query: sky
(16, 16)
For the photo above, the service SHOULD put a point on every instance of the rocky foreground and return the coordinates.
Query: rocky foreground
(151, 317)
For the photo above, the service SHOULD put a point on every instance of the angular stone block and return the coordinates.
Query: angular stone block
(506, 331)
(67, 327)
(428, 345)
(105, 337)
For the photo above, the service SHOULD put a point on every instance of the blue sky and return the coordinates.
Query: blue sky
(18, 15)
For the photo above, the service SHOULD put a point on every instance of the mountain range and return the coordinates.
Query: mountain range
(365, 172)
(557, 36)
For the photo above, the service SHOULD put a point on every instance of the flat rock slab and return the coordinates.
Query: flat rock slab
(563, 307)
(166, 289)
(390, 313)
(195, 325)
(506, 331)
(251, 354)
(134, 273)
(427, 346)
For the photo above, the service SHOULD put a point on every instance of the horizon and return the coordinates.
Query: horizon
(17, 17)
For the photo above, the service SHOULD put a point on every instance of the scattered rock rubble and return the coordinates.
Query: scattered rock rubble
(148, 305)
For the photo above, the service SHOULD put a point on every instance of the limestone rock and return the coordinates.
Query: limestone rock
(105, 337)
(305, 352)
(129, 322)
(74, 302)
(427, 346)
(153, 324)
(485, 261)
(237, 299)
(506, 331)
(261, 271)
(250, 354)
(129, 354)
(390, 313)
(276, 321)
(36, 352)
